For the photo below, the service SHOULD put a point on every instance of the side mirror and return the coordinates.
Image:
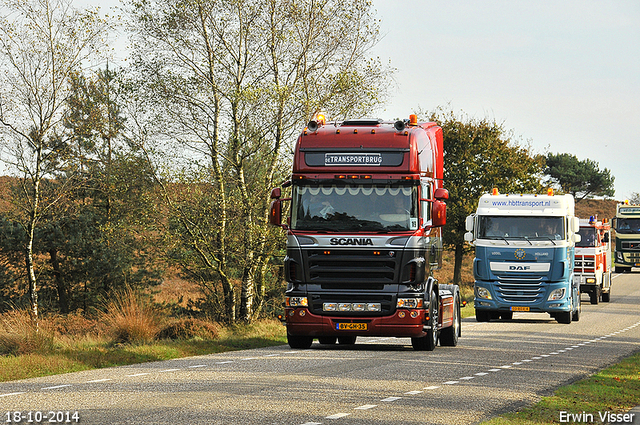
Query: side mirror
(606, 237)
(275, 211)
(276, 193)
(441, 193)
(577, 237)
(468, 237)
(468, 223)
(439, 213)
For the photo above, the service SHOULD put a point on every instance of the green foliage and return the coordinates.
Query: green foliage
(583, 179)
(478, 156)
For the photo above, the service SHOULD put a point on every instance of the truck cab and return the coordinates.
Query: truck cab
(524, 256)
(593, 259)
(364, 235)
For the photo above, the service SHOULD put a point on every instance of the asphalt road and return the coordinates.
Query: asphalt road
(497, 367)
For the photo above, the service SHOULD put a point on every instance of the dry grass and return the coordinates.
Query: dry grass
(130, 317)
(19, 334)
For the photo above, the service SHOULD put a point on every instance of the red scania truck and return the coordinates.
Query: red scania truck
(364, 235)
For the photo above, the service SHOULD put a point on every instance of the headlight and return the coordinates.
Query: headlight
(619, 256)
(296, 301)
(591, 280)
(556, 294)
(410, 303)
(483, 293)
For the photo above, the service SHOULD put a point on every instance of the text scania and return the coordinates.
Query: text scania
(351, 241)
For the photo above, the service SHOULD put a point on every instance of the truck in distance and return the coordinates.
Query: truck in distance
(593, 259)
(364, 235)
(524, 256)
(627, 226)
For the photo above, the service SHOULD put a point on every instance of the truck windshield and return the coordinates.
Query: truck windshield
(516, 227)
(628, 225)
(374, 207)
(589, 238)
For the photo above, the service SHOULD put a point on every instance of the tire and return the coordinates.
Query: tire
(564, 317)
(347, 340)
(327, 340)
(593, 296)
(507, 315)
(299, 341)
(576, 315)
(606, 296)
(483, 315)
(430, 340)
(449, 336)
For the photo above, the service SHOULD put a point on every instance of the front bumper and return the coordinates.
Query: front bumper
(403, 323)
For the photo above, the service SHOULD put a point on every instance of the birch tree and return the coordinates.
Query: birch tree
(42, 43)
(236, 80)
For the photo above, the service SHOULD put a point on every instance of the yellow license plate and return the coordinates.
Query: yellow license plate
(351, 326)
(519, 308)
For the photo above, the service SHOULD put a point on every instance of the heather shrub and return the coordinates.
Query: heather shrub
(19, 334)
(190, 328)
(129, 317)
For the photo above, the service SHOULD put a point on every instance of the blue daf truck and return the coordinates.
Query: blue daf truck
(524, 259)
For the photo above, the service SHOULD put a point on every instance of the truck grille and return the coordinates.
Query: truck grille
(346, 269)
(585, 264)
(520, 290)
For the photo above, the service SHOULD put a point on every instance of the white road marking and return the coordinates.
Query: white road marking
(198, 365)
(413, 392)
(366, 407)
(56, 387)
(390, 399)
(433, 387)
(168, 370)
(338, 416)
(98, 380)
(10, 394)
(138, 374)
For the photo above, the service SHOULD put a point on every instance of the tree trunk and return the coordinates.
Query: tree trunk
(63, 298)
(31, 273)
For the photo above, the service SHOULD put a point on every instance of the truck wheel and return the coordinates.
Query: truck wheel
(593, 296)
(506, 315)
(606, 296)
(299, 341)
(564, 317)
(576, 315)
(347, 340)
(449, 336)
(430, 340)
(327, 340)
(483, 315)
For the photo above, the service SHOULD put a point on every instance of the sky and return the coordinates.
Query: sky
(563, 75)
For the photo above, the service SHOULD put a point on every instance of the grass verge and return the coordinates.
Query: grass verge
(615, 389)
(91, 353)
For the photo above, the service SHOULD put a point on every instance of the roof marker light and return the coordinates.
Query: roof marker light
(494, 192)
(550, 191)
(413, 119)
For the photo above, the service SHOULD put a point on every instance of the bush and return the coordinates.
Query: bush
(190, 328)
(75, 324)
(19, 334)
(131, 318)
